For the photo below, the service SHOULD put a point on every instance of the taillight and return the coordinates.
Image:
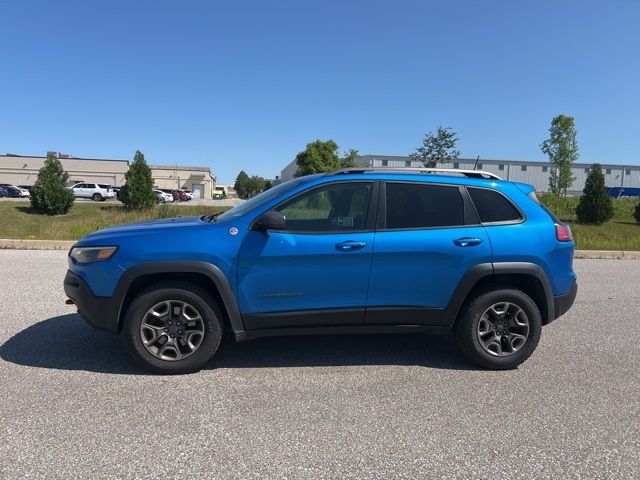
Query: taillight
(563, 233)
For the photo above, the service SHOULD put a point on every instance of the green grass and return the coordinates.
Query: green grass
(621, 233)
(17, 220)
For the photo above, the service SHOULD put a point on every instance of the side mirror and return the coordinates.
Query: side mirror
(270, 220)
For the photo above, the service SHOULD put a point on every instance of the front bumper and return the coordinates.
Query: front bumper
(99, 312)
(562, 303)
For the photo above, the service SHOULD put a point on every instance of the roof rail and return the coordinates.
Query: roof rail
(427, 170)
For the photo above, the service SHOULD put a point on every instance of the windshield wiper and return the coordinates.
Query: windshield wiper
(210, 218)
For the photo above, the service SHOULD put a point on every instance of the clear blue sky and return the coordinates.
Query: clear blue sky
(246, 84)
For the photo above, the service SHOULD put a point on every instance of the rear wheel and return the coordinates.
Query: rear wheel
(97, 197)
(174, 327)
(499, 329)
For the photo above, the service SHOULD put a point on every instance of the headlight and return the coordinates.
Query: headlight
(92, 254)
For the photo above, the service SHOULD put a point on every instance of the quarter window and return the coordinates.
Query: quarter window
(413, 205)
(493, 207)
(332, 208)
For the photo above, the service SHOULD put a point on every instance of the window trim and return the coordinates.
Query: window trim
(470, 216)
(369, 222)
(523, 217)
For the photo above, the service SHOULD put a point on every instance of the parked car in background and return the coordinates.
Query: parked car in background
(182, 196)
(28, 188)
(117, 191)
(189, 194)
(3, 192)
(96, 191)
(456, 251)
(173, 193)
(163, 197)
(14, 191)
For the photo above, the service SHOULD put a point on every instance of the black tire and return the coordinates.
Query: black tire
(97, 197)
(467, 326)
(199, 299)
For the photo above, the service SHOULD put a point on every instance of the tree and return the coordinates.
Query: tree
(595, 205)
(562, 149)
(348, 159)
(318, 157)
(247, 187)
(241, 184)
(50, 194)
(437, 148)
(137, 194)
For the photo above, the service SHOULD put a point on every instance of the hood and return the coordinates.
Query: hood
(160, 226)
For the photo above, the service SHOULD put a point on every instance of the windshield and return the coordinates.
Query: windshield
(261, 199)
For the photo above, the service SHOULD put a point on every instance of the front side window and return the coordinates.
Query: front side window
(414, 205)
(493, 207)
(331, 208)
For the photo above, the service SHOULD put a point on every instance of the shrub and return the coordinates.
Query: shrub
(50, 194)
(595, 206)
(636, 213)
(137, 194)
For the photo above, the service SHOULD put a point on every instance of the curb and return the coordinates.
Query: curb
(19, 244)
(607, 254)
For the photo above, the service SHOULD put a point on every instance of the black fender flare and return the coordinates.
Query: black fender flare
(482, 270)
(179, 266)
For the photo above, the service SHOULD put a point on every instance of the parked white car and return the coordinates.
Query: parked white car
(163, 196)
(15, 191)
(95, 191)
(189, 194)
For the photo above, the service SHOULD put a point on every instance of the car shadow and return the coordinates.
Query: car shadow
(66, 342)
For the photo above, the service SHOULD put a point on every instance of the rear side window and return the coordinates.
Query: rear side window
(102, 185)
(414, 205)
(493, 207)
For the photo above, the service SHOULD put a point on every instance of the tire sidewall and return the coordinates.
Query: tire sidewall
(97, 197)
(474, 314)
(135, 315)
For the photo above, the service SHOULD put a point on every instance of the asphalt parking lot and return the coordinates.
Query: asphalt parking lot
(72, 404)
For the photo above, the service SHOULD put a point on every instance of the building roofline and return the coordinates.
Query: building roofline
(180, 167)
(64, 158)
(497, 161)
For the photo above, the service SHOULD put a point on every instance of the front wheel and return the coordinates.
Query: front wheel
(173, 327)
(499, 329)
(97, 197)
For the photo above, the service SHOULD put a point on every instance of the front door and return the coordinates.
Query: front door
(425, 243)
(316, 271)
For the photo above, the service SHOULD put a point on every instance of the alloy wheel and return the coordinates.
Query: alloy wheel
(503, 329)
(172, 330)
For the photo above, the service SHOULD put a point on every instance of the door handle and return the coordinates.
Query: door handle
(467, 242)
(350, 245)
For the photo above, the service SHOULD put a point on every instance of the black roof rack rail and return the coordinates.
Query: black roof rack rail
(425, 170)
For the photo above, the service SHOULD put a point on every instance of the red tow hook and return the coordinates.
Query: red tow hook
(68, 301)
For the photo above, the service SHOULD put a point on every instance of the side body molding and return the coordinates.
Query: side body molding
(182, 266)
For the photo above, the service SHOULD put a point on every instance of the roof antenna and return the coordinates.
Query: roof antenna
(476, 164)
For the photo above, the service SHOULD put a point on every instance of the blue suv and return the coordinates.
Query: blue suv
(352, 251)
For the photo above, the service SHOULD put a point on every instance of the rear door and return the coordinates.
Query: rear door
(315, 272)
(428, 236)
(80, 190)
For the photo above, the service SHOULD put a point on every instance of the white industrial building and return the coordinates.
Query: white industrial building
(534, 172)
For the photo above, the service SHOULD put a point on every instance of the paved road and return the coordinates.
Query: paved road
(72, 405)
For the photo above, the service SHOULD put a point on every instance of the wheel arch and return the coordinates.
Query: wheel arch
(525, 276)
(210, 277)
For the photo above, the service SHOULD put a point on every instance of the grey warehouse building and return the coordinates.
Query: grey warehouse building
(533, 172)
(23, 170)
